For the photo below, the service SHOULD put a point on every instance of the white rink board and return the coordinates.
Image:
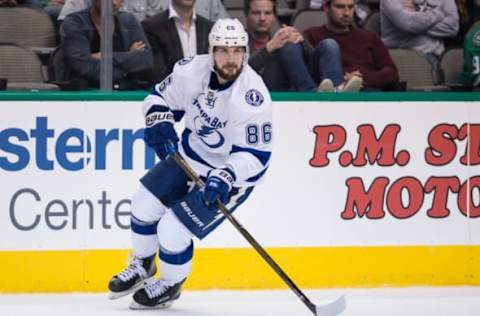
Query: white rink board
(297, 205)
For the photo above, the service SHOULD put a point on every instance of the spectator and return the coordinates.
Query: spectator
(470, 76)
(132, 57)
(142, 9)
(468, 13)
(350, 57)
(174, 34)
(420, 25)
(277, 56)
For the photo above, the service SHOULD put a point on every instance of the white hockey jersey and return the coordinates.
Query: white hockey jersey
(227, 127)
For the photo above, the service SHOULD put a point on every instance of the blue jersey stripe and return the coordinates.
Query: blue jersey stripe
(189, 151)
(156, 93)
(177, 115)
(257, 176)
(158, 108)
(262, 156)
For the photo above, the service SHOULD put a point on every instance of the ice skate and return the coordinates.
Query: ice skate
(138, 273)
(157, 295)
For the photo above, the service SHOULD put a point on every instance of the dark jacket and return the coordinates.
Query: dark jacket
(166, 46)
(78, 33)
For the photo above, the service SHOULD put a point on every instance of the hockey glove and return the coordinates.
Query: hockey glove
(218, 185)
(159, 131)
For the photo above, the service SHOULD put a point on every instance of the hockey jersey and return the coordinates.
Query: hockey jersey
(471, 58)
(226, 125)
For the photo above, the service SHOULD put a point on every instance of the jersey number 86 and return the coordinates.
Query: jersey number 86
(256, 134)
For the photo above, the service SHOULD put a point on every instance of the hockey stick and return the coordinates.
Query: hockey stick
(330, 309)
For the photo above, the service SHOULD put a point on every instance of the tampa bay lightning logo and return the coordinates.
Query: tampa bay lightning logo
(185, 61)
(210, 136)
(254, 97)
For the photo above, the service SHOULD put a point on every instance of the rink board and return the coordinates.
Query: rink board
(358, 193)
(242, 268)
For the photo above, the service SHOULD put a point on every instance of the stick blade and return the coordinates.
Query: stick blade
(331, 309)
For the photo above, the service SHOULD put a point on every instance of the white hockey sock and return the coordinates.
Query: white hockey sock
(176, 248)
(174, 267)
(146, 213)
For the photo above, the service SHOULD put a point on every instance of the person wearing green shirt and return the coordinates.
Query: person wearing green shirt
(470, 75)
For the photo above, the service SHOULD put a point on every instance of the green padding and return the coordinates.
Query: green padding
(377, 96)
(88, 95)
(96, 95)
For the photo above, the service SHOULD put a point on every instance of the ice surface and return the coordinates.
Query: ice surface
(434, 301)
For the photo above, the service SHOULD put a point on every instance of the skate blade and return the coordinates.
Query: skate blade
(136, 287)
(117, 295)
(135, 306)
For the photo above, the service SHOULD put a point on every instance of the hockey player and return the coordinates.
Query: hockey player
(227, 140)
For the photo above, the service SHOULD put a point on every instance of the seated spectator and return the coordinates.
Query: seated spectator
(350, 58)
(174, 34)
(470, 75)
(277, 56)
(420, 25)
(142, 9)
(469, 13)
(132, 57)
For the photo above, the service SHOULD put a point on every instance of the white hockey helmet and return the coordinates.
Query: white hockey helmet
(228, 32)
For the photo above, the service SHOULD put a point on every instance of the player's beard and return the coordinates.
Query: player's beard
(229, 72)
